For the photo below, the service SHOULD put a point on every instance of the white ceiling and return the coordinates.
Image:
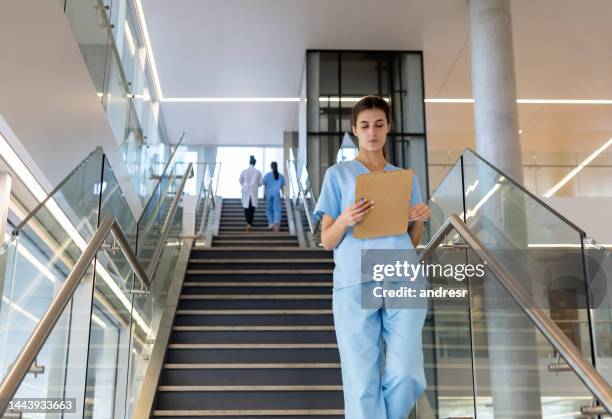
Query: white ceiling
(255, 48)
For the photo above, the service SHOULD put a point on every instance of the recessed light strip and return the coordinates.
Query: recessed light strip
(145, 34)
(577, 169)
(532, 101)
(355, 99)
(231, 99)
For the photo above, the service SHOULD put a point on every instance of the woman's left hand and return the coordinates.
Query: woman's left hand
(419, 213)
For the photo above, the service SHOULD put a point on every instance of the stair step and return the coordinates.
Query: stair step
(268, 233)
(277, 337)
(222, 376)
(255, 303)
(258, 275)
(233, 242)
(224, 319)
(253, 355)
(290, 365)
(250, 397)
(286, 238)
(258, 271)
(253, 312)
(252, 346)
(224, 229)
(261, 263)
(256, 297)
(253, 288)
(249, 252)
(257, 284)
(250, 388)
(251, 328)
(251, 414)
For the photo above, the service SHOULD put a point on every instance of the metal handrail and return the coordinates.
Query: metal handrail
(591, 378)
(45, 326)
(161, 177)
(207, 201)
(42, 203)
(209, 197)
(301, 194)
(168, 222)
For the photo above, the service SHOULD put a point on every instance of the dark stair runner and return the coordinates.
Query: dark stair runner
(253, 335)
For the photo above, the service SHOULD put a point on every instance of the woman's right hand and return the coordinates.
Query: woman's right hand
(355, 213)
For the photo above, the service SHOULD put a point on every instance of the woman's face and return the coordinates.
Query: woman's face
(371, 129)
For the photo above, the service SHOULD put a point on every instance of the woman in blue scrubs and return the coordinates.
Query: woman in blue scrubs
(368, 394)
(273, 182)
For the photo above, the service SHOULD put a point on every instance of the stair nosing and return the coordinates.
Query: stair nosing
(270, 328)
(256, 284)
(255, 297)
(252, 346)
(278, 365)
(253, 260)
(251, 388)
(249, 412)
(257, 271)
(254, 312)
(227, 249)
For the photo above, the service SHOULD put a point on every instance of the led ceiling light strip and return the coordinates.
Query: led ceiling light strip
(355, 99)
(577, 169)
(532, 101)
(231, 99)
(147, 40)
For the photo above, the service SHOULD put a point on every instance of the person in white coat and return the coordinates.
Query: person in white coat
(251, 180)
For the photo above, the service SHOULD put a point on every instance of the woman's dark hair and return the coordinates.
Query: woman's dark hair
(370, 102)
(252, 160)
(275, 170)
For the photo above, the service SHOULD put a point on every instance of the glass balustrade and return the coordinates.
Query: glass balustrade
(96, 354)
(116, 58)
(563, 271)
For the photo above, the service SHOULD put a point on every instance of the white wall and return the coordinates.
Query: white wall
(48, 99)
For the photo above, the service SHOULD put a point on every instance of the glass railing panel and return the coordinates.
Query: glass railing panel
(41, 257)
(85, 18)
(447, 198)
(112, 312)
(109, 337)
(293, 181)
(200, 207)
(447, 346)
(541, 248)
(46, 249)
(61, 362)
(517, 372)
(152, 220)
(154, 303)
(599, 268)
(120, 77)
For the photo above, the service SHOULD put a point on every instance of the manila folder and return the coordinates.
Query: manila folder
(390, 192)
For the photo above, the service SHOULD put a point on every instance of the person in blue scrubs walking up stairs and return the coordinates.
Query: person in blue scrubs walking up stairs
(368, 394)
(274, 183)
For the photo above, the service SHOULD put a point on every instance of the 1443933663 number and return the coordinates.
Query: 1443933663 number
(42, 405)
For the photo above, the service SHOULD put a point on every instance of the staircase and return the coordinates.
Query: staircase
(253, 335)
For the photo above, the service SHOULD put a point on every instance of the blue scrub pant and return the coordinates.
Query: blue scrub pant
(368, 394)
(273, 208)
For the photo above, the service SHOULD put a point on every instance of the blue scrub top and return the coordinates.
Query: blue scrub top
(337, 193)
(272, 185)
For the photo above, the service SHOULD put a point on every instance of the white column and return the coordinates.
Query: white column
(494, 85)
(514, 378)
